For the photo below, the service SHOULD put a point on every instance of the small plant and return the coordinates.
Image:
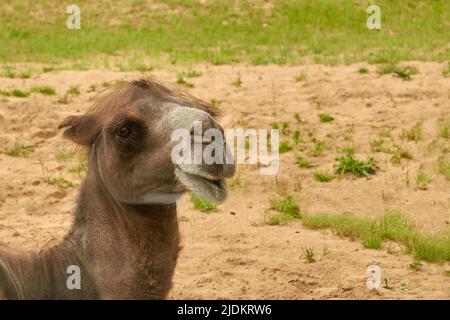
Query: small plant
(300, 77)
(319, 148)
(62, 156)
(297, 137)
(446, 71)
(25, 74)
(325, 251)
(192, 73)
(284, 146)
(202, 204)
(423, 180)
(74, 90)
(377, 145)
(308, 255)
(322, 176)
(8, 73)
(60, 182)
(413, 134)
(32, 208)
(64, 99)
(303, 163)
(444, 167)
(324, 117)
(444, 127)
(81, 167)
(386, 284)
(363, 70)
(416, 264)
(19, 93)
(298, 118)
(372, 240)
(404, 72)
(20, 150)
(238, 81)
(348, 164)
(182, 81)
(45, 90)
(398, 153)
(288, 208)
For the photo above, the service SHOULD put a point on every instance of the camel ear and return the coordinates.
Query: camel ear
(81, 129)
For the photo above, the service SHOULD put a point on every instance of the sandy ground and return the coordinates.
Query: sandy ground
(232, 253)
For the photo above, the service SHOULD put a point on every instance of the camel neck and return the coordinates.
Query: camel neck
(137, 246)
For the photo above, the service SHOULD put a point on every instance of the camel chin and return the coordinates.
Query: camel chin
(214, 190)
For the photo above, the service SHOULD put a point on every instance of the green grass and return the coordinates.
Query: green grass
(287, 207)
(413, 134)
(60, 182)
(423, 179)
(444, 166)
(237, 82)
(309, 255)
(284, 146)
(404, 72)
(322, 176)
(45, 90)
(20, 150)
(398, 154)
(223, 32)
(391, 226)
(300, 77)
(180, 80)
(444, 127)
(363, 70)
(446, 71)
(202, 204)
(324, 117)
(19, 93)
(303, 163)
(74, 90)
(359, 168)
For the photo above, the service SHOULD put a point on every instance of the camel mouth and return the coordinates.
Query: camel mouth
(211, 189)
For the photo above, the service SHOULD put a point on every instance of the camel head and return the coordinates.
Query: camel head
(128, 132)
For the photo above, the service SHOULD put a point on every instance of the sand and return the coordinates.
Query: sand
(231, 252)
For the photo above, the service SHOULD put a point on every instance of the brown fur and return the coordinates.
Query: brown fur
(124, 251)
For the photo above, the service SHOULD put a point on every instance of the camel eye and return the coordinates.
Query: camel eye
(123, 132)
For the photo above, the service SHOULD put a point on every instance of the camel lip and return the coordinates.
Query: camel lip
(214, 190)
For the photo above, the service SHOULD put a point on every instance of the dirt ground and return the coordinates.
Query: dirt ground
(232, 253)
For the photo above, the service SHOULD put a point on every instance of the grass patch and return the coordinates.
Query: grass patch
(446, 71)
(75, 90)
(287, 207)
(363, 70)
(309, 255)
(359, 168)
(19, 93)
(324, 117)
(414, 134)
(20, 150)
(398, 154)
(202, 204)
(180, 80)
(237, 82)
(45, 90)
(322, 176)
(404, 72)
(392, 226)
(300, 77)
(284, 146)
(225, 32)
(303, 163)
(423, 180)
(60, 182)
(444, 167)
(444, 127)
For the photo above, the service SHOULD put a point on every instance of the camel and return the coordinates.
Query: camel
(124, 238)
